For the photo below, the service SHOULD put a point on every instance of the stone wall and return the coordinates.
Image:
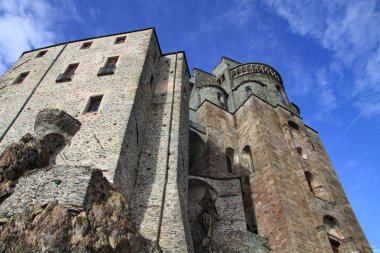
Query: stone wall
(65, 184)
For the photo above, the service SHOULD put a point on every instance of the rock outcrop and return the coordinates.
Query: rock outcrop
(102, 224)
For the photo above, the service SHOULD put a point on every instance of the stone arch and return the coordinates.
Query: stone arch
(56, 128)
(334, 233)
(197, 154)
(202, 212)
(246, 161)
(55, 143)
(315, 186)
(301, 153)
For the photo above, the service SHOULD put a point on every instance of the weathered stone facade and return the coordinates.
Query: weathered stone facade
(217, 162)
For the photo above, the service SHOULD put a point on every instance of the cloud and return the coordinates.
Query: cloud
(348, 29)
(24, 25)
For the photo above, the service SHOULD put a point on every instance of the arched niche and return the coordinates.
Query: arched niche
(334, 232)
(56, 128)
(197, 154)
(316, 186)
(202, 213)
(246, 160)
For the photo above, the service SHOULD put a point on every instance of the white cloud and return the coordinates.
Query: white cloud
(24, 25)
(350, 30)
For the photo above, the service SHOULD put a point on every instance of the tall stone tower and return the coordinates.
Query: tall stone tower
(136, 153)
(247, 139)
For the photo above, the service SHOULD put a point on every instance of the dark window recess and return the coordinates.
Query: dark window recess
(248, 91)
(334, 245)
(293, 125)
(86, 45)
(221, 79)
(120, 40)
(109, 68)
(229, 165)
(21, 77)
(94, 104)
(68, 74)
(41, 54)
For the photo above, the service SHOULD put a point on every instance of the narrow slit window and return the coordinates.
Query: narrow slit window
(21, 78)
(41, 54)
(221, 79)
(120, 40)
(94, 104)
(86, 45)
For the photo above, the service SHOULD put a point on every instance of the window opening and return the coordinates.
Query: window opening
(94, 104)
(309, 178)
(86, 45)
(109, 67)
(41, 54)
(248, 91)
(68, 74)
(293, 125)
(21, 78)
(221, 79)
(220, 98)
(229, 164)
(120, 40)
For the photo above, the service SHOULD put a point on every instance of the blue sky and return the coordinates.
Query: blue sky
(327, 51)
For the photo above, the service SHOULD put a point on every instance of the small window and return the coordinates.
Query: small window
(86, 45)
(94, 104)
(221, 98)
(41, 54)
(293, 125)
(221, 79)
(248, 91)
(120, 40)
(21, 78)
(112, 61)
(68, 74)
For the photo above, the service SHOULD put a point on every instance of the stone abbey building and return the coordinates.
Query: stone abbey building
(208, 162)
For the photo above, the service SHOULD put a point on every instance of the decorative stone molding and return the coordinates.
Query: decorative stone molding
(255, 68)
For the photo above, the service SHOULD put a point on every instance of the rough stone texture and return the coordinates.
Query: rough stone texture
(65, 184)
(289, 212)
(260, 180)
(103, 226)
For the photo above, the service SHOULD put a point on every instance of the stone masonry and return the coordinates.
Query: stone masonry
(215, 162)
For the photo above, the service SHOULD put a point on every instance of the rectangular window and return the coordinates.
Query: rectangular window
(94, 104)
(109, 67)
(68, 74)
(21, 77)
(41, 54)
(86, 45)
(120, 40)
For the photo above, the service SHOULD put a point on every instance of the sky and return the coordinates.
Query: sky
(327, 52)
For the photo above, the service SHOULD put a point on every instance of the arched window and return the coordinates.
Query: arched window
(302, 154)
(293, 125)
(220, 98)
(248, 91)
(309, 178)
(279, 93)
(333, 232)
(316, 186)
(247, 162)
(229, 159)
